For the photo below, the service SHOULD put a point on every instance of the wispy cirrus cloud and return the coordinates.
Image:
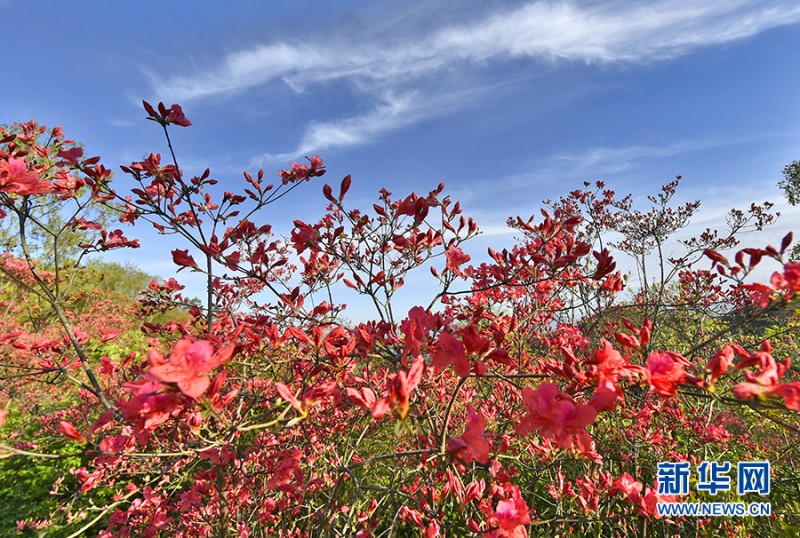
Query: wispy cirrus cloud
(395, 64)
(605, 32)
(497, 198)
(391, 112)
(613, 159)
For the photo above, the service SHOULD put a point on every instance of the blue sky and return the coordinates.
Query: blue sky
(507, 102)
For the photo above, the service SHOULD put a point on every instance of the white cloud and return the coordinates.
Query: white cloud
(492, 200)
(606, 160)
(573, 167)
(605, 32)
(407, 74)
(122, 122)
(391, 113)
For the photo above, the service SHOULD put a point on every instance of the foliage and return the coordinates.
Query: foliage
(532, 393)
(55, 237)
(790, 184)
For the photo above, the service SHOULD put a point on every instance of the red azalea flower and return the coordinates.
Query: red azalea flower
(400, 386)
(720, 363)
(553, 413)
(510, 517)
(175, 115)
(450, 350)
(188, 366)
(472, 444)
(455, 259)
(665, 374)
(16, 178)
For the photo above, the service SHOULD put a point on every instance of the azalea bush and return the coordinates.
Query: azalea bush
(532, 394)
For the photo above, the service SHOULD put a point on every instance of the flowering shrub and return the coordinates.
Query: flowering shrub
(533, 394)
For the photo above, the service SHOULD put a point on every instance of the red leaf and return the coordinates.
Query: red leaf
(380, 408)
(345, 186)
(450, 350)
(787, 240)
(69, 430)
(149, 109)
(104, 419)
(355, 396)
(286, 393)
(182, 258)
(415, 373)
(716, 257)
(627, 340)
(328, 193)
